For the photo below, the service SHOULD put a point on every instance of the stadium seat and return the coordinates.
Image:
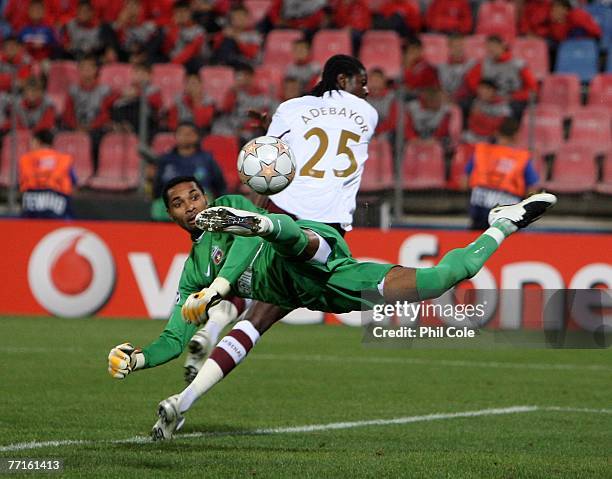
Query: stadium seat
(579, 57)
(162, 143)
(462, 154)
(573, 170)
(23, 145)
(382, 49)
(474, 47)
(170, 79)
(216, 81)
(605, 186)
(61, 75)
(278, 47)
(548, 129)
(423, 166)
(562, 91)
(258, 9)
(269, 79)
(600, 91)
(534, 52)
(435, 48)
(78, 145)
(118, 164)
(591, 126)
(327, 43)
(378, 172)
(118, 76)
(225, 151)
(497, 18)
(603, 16)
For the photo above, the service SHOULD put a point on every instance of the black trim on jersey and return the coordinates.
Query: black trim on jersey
(283, 134)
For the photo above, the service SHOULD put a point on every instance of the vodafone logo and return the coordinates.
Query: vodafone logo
(71, 272)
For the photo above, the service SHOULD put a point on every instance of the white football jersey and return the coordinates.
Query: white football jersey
(329, 136)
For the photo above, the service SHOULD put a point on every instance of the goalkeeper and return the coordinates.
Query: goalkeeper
(272, 258)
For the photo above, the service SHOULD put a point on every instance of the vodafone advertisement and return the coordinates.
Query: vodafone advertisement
(119, 269)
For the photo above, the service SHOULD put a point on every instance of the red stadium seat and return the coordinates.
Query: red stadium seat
(258, 9)
(435, 48)
(170, 79)
(162, 143)
(605, 186)
(474, 47)
(278, 50)
(62, 74)
(591, 125)
(600, 91)
(269, 79)
(423, 166)
(548, 129)
(78, 145)
(463, 153)
(118, 76)
(574, 169)
(327, 43)
(378, 172)
(119, 163)
(216, 81)
(562, 91)
(382, 49)
(497, 18)
(534, 52)
(23, 146)
(225, 152)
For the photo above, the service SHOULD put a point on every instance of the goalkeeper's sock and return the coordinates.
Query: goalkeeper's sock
(228, 354)
(287, 238)
(462, 263)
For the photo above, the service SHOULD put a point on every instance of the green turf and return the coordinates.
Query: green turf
(54, 386)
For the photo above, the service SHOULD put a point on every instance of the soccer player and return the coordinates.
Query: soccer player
(328, 130)
(274, 259)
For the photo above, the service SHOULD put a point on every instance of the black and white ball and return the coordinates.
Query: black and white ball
(266, 165)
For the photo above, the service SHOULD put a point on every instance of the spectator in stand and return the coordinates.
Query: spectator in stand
(34, 110)
(237, 43)
(488, 112)
(37, 36)
(513, 79)
(192, 106)
(354, 15)
(428, 118)
(186, 159)
(449, 16)
(82, 35)
(5, 118)
(46, 180)
(13, 58)
(534, 18)
(297, 14)
(88, 104)
(16, 12)
(452, 74)
(210, 14)
(418, 72)
(158, 11)
(108, 11)
(383, 100)
(499, 174)
(303, 68)
(566, 21)
(184, 41)
(244, 97)
(291, 89)
(126, 108)
(399, 15)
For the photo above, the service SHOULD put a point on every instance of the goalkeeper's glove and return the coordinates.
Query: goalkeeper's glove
(123, 359)
(196, 307)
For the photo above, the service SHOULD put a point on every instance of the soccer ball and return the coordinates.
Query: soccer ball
(266, 165)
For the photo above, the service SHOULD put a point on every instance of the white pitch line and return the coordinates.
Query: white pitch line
(431, 362)
(23, 446)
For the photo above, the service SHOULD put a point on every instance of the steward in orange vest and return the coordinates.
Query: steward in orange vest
(499, 174)
(46, 180)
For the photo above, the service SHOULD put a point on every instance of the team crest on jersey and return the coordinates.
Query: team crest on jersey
(217, 255)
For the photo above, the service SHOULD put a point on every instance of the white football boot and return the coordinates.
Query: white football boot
(524, 212)
(199, 348)
(170, 419)
(231, 220)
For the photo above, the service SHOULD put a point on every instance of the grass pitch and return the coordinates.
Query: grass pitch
(54, 387)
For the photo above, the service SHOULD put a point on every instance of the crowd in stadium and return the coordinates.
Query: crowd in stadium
(80, 69)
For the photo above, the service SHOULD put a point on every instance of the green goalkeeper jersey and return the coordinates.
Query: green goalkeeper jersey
(256, 270)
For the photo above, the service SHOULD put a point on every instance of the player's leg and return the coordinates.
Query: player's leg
(228, 354)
